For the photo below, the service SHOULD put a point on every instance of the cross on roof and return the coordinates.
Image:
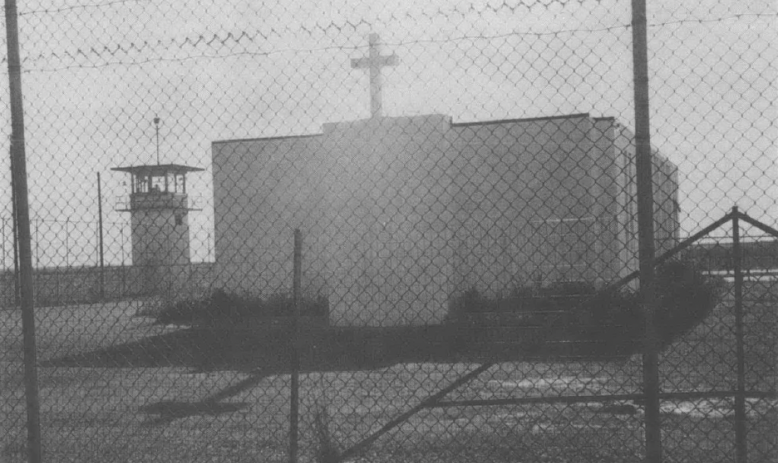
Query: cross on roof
(374, 62)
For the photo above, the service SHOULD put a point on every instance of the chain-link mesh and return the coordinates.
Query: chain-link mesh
(464, 181)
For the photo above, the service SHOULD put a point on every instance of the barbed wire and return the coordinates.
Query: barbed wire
(79, 7)
(217, 40)
(719, 19)
(469, 8)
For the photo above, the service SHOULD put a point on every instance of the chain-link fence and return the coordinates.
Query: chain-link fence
(350, 231)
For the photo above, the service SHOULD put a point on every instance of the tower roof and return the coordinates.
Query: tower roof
(158, 169)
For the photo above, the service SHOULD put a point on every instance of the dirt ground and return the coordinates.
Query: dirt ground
(138, 401)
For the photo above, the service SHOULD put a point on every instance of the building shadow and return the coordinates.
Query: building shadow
(261, 353)
(320, 349)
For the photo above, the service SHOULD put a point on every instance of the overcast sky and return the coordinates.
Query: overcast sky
(98, 71)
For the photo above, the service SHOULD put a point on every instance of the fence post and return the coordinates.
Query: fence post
(3, 238)
(15, 230)
(100, 250)
(646, 245)
(37, 244)
(22, 220)
(741, 447)
(294, 410)
(67, 243)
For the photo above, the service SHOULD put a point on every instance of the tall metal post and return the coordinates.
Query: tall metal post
(67, 242)
(22, 216)
(3, 272)
(156, 127)
(294, 411)
(646, 251)
(100, 236)
(210, 249)
(121, 235)
(37, 242)
(3, 245)
(741, 447)
(15, 233)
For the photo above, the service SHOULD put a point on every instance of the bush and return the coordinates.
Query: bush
(575, 311)
(327, 450)
(221, 306)
(556, 297)
(685, 296)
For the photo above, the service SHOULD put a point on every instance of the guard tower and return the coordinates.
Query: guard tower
(159, 217)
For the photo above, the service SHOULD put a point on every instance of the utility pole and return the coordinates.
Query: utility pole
(646, 247)
(22, 219)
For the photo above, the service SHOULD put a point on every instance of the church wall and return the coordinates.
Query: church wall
(265, 192)
(400, 214)
(607, 181)
(390, 257)
(666, 206)
(532, 204)
(623, 187)
(370, 200)
(666, 209)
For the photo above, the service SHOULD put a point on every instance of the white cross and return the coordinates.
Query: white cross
(374, 62)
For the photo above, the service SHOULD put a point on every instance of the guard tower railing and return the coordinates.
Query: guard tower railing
(162, 200)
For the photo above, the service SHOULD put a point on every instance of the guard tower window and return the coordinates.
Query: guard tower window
(158, 184)
(141, 184)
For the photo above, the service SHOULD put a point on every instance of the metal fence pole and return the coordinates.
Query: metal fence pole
(22, 216)
(740, 398)
(294, 411)
(646, 230)
(3, 238)
(100, 236)
(121, 237)
(37, 244)
(15, 237)
(67, 243)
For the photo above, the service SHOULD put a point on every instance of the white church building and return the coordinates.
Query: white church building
(400, 214)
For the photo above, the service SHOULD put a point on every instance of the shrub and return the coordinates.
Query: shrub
(615, 318)
(221, 306)
(327, 450)
(569, 288)
(685, 298)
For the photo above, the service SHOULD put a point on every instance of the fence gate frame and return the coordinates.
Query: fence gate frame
(740, 394)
